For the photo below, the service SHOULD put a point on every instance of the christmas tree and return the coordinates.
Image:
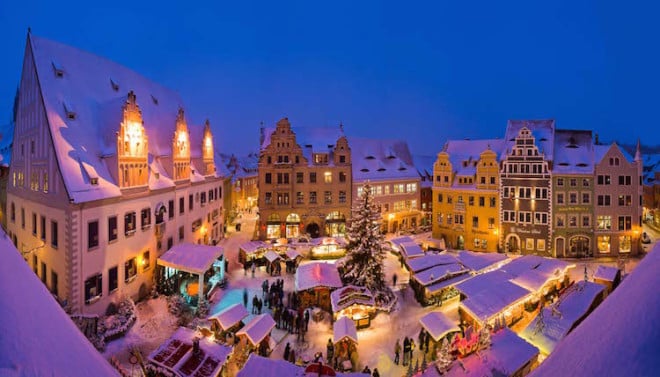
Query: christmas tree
(363, 264)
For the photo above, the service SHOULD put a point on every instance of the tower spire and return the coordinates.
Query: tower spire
(638, 151)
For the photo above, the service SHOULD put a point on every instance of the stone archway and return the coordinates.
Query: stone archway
(313, 230)
(560, 245)
(512, 244)
(579, 246)
(460, 243)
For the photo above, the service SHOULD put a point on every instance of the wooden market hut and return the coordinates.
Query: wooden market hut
(256, 334)
(314, 282)
(345, 341)
(439, 327)
(610, 277)
(356, 303)
(228, 320)
(252, 251)
(272, 260)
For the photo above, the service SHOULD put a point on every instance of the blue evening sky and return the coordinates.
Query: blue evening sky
(419, 71)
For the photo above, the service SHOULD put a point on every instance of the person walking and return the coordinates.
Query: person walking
(420, 338)
(330, 351)
(397, 351)
(306, 319)
(394, 279)
(245, 297)
(254, 267)
(406, 351)
(412, 349)
(375, 373)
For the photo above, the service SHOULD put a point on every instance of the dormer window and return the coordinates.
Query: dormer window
(154, 99)
(58, 69)
(68, 109)
(94, 181)
(370, 157)
(114, 85)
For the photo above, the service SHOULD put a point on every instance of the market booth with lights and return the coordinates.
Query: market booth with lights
(345, 341)
(327, 248)
(356, 303)
(314, 283)
(228, 320)
(191, 270)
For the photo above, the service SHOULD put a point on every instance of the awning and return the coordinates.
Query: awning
(271, 256)
(192, 258)
(230, 316)
(344, 328)
(258, 328)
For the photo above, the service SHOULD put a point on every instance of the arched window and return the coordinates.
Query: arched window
(293, 218)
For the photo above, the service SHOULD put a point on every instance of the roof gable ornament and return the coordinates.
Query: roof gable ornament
(132, 145)
(207, 149)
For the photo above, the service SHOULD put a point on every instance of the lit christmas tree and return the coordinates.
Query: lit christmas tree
(363, 264)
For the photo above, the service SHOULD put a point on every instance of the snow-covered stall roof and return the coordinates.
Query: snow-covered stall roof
(271, 256)
(438, 325)
(543, 131)
(380, 159)
(572, 306)
(546, 266)
(230, 316)
(258, 328)
(507, 354)
(189, 257)
(411, 250)
(490, 293)
(483, 282)
(574, 152)
(264, 367)
(344, 327)
(437, 287)
(533, 280)
(292, 253)
(344, 297)
(606, 273)
(176, 354)
(622, 334)
(84, 110)
(317, 274)
(438, 273)
(479, 261)
(430, 260)
(253, 246)
(33, 325)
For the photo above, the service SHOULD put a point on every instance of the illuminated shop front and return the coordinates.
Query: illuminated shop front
(328, 248)
(293, 225)
(357, 303)
(273, 226)
(335, 224)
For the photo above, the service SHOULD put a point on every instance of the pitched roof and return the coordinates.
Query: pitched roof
(317, 274)
(542, 130)
(87, 88)
(462, 151)
(380, 159)
(438, 325)
(574, 152)
(191, 257)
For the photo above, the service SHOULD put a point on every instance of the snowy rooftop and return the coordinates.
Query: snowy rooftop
(95, 89)
(483, 282)
(485, 305)
(317, 274)
(464, 154)
(344, 327)
(176, 354)
(438, 325)
(574, 152)
(479, 261)
(507, 354)
(411, 249)
(606, 273)
(622, 334)
(292, 253)
(344, 297)
(438, 286)
(430, 260)
(258, 328)
(189, 257)
(271, 256)
(253, 246)
(311, 140)
(547, 266)
(542, 130)
(264, 367)
(375, 159)
(31, 329)
(534, 280)
(399, 240)
(230, 316)
(601, 150)
(572, 307)
(440, 272)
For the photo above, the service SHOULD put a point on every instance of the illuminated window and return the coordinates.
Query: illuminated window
(327, 176)
(604, 244)
(130, 270)
(625, 244)
(604, 222)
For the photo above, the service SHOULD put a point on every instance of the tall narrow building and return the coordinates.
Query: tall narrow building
(304, 182)
(106, 175)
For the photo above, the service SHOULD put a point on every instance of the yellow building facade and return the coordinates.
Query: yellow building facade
(465, 195)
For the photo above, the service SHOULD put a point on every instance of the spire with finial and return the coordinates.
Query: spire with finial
(638, 152)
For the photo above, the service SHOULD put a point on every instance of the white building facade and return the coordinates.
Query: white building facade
(107, 176)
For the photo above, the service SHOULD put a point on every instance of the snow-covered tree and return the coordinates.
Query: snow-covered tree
(539, 325)
(363, 264)
(444, 356)
(484, 338)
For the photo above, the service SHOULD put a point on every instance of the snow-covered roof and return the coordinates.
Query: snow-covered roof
(622, 335)
(572, 306)
(438, 286)
(488, 294)
(478, 261)
(606, 273)
(411, 250)
(258, 328)
(344, 327)
(189, 257)
(344, 297)
(507, 354)
(464, 154)
(176, 354)
(438, 273)
(271, 256)
(483, 282)
(547, 266)
(399, 240)
(264, 367)
(378, 159)
(601, 150)
(311, 140)
(534, 280)
(230, 316)
(317, 274)
(95, 89)
(574, 152)
(542, 130)
(430, 260)
(438, 325)
(253, 246)
(292, 253)
(33, 325)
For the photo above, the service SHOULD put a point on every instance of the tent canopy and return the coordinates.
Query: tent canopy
(258, 328)
(230, 316)
(192, 258)
(344, 328)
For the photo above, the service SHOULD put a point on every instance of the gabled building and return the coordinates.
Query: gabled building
(388, 167)
(618, 198)
(526, 190)
(106, 175)
(424, 165)
(573, 194)
(466, 194)
(242, 173)
(304, 181)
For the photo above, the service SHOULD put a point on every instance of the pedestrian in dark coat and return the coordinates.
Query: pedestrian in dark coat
(287, 349)
(397, 351)
(306, 319)
(406, 351)
(330, 351)
(375, 373)
(421, 338)
(245, 297)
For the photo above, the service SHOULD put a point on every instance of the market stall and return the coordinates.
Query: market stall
(293, 258)
(228, 320)
(273, 259)
(439, 327)
(314, 282)
(356, 303)
(256, 335)
(328, 248)
(345, 342)
(252, 251)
